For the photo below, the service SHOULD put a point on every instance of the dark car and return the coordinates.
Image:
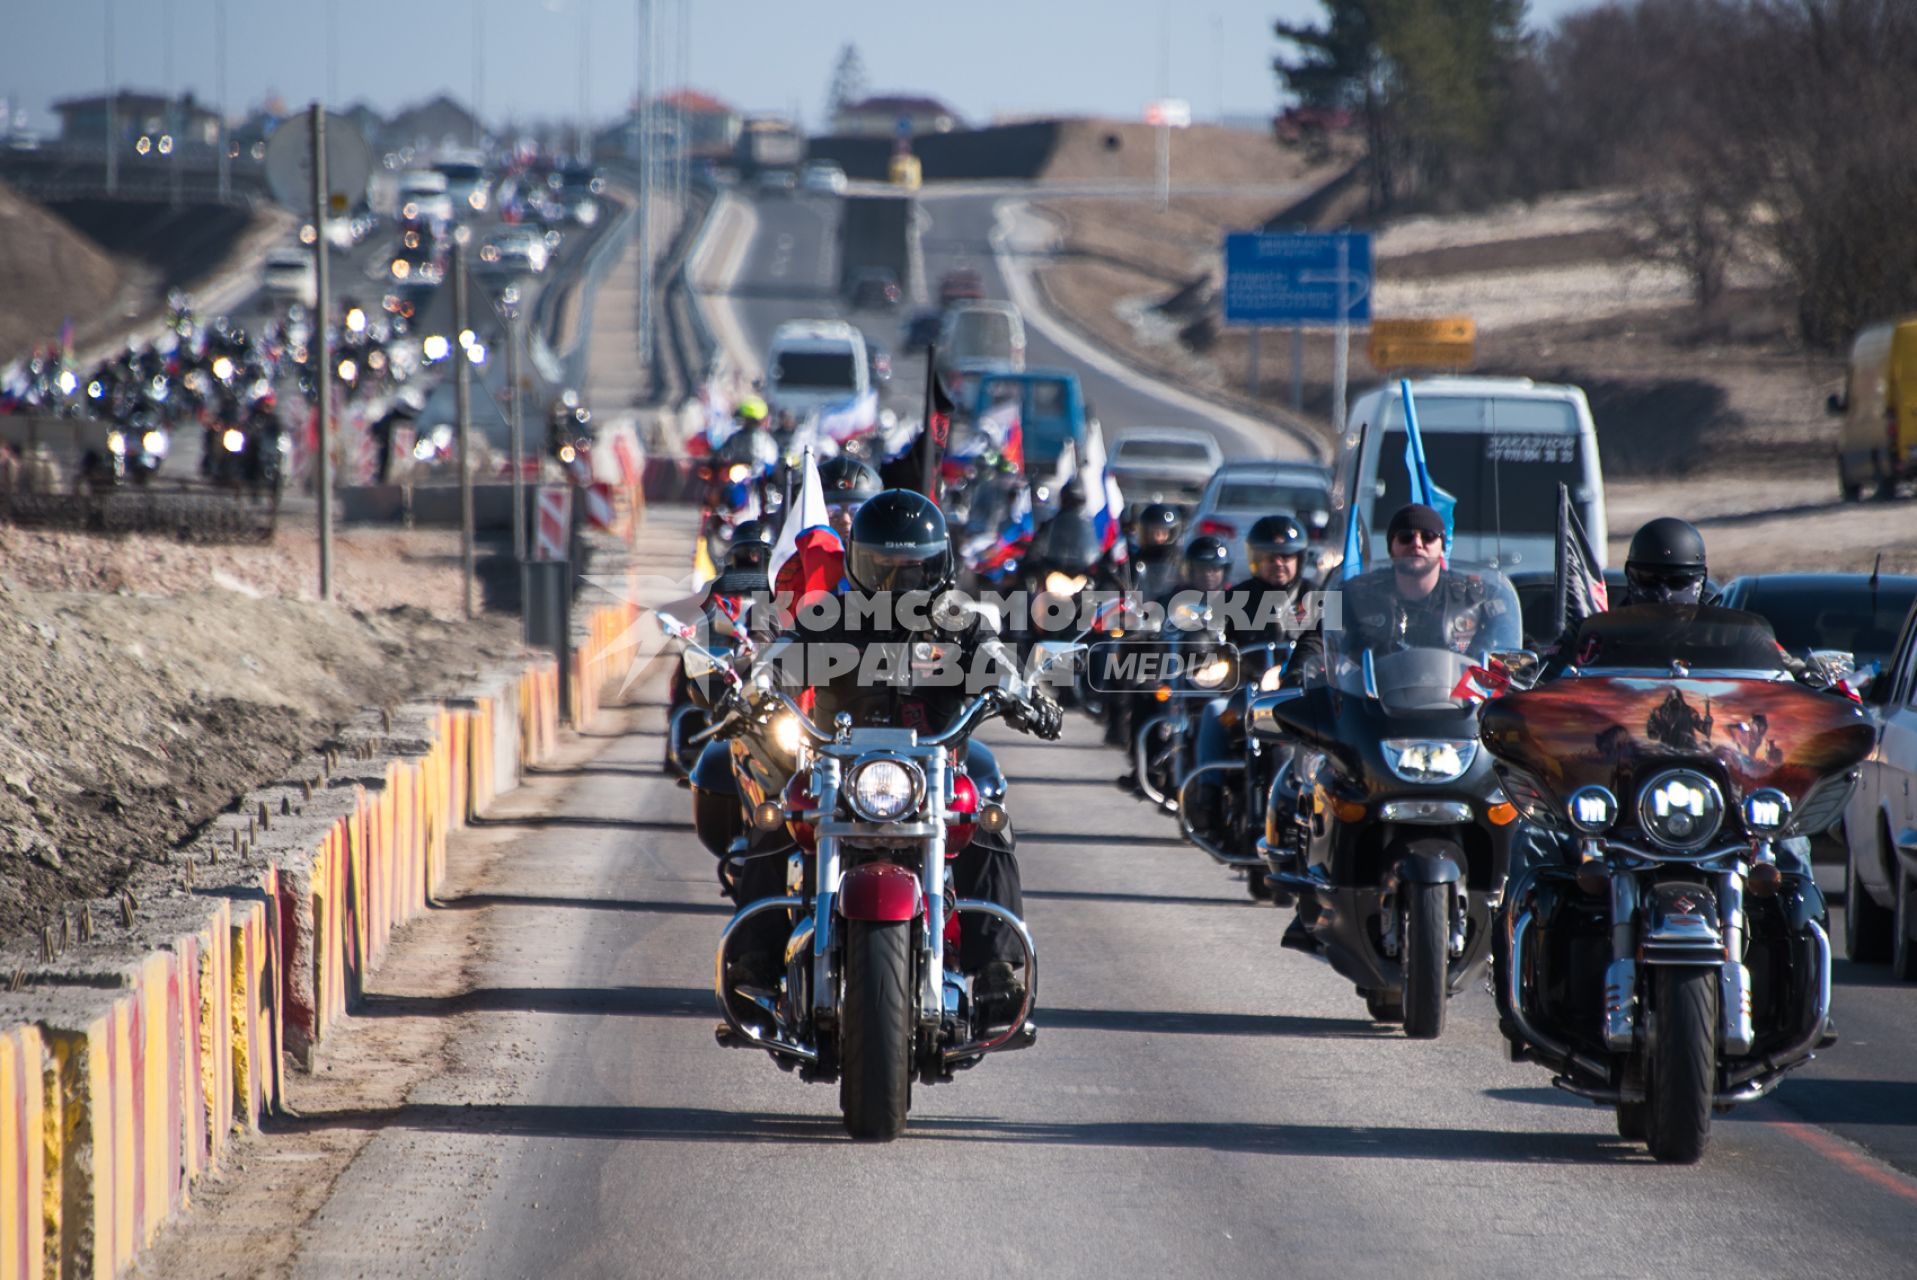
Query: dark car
(920, 332)
(876, 288)
(1880, 816)
(1859, 613)
(962, 284)
(1537, 597)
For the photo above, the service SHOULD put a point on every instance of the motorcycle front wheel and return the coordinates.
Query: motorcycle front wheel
(1427, 939)
(1683, 1064)
(875, 1029)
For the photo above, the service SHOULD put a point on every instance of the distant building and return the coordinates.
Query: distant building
(83, 121)
(439, 124)
(879, 117)
(712, 126)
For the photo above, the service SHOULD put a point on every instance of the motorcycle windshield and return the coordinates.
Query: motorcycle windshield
(1377, 648)
(1650, 638)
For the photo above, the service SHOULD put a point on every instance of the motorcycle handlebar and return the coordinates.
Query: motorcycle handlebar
(977, 709)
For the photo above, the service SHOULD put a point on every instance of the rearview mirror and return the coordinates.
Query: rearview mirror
(698, 663)
(1047, 654)
(1522, 665)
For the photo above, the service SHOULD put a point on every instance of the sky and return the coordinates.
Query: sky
(538, 59)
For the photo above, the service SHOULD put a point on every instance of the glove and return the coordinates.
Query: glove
(1040, 717)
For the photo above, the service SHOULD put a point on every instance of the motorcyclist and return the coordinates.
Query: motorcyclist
(1415, 602)
(1155, 553)
(898, 556)
(1261, 607)
(848, 485)
(1203, 571)
(1666, 565)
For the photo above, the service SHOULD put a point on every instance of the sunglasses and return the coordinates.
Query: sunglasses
(1407, 537)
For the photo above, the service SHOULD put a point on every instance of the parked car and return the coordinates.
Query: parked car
(823, 176)
(1240, 493)
(876, 289)
(961, 284)
(1164, 464)
(1880, 823)
(1500, 446)
(1877, 439)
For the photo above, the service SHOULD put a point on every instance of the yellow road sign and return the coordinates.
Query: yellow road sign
(1446, 342)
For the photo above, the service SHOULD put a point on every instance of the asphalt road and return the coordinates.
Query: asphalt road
(1198, 1102)
(790, 270)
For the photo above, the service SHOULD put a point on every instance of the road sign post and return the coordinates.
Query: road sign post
(463, 410)
(1297, 369)
(1305, 278)
(1166, 114)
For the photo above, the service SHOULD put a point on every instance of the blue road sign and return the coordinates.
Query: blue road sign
(1295, 279)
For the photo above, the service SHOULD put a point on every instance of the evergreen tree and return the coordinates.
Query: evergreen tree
(848, 81)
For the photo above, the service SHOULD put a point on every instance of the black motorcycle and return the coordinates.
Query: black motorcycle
(1221, 800)
(1394, 835)
(1181, 670)
(1670, 968)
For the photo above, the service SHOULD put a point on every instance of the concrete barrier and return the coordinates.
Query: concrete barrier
(133, 1055)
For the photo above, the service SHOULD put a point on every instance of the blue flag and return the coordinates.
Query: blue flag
(1422, 490)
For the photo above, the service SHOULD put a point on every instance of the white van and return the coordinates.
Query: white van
(815, 364)
(1500, 446)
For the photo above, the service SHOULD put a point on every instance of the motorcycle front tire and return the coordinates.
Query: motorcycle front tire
(1427, 938)
(875, 1029)
(1683, 1064)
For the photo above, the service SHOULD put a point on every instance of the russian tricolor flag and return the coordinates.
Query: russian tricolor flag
(808, 559)
(1102, 498)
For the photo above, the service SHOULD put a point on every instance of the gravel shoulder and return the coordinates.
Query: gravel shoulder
(145, 685)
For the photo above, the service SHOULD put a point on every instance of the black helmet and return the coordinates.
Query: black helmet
(1665, 564)
(846, 479)
(1159, 524)
(751, 547)
(1207, 552)
(899, 543)
(1276, 535)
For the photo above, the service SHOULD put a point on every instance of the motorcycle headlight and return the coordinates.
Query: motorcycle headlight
(785, 733)
(885, 790)
(737, 472)
(1591, 810)
(1430, 759)
(1766, 811)
(1680, 809)
(1063, 584)
(234, 440)
(1268, 683)
(1211, 673)
(154, 442)
(116, 443)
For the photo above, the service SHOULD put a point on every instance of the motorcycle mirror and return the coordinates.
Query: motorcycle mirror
(1047, 654)
(1838, 664)
(1186, 616)
(698, 663)
(1522, 665)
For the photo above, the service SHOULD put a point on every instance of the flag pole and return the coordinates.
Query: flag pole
(929, 478)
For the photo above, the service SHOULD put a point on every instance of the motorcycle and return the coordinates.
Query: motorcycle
(1221, 800)
(872, 995)
(1394, 835)
(1672, 969)
(1199, 666)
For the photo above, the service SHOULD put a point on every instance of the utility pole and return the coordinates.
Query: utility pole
(175, 143)
(463, 409)
(322, 349)
(219, 54)
(479, 75)
(645, 184)
(509, 303)
(112, 110)
(585, 82)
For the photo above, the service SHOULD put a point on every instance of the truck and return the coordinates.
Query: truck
(768, 142)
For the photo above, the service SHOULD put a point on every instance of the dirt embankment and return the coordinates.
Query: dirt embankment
(49, 273)
(144, 685)
(1718, 415)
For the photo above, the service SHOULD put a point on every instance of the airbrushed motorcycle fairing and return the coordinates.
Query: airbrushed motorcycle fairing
(1672, 967)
